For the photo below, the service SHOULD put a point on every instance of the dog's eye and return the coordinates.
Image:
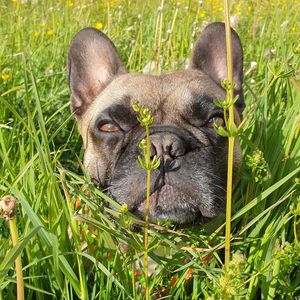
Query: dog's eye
(108, 127)
(219, 121)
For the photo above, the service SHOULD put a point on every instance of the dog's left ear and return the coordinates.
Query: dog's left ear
(209, 56)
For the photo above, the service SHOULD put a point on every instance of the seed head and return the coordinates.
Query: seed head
(8, 207)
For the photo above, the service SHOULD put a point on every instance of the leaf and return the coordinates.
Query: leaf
(16, 251)
(265, 194)
(221, 130)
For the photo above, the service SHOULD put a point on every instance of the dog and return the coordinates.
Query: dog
(190, 183)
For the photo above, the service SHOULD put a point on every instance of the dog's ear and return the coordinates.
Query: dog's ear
(93, 61)
(209, 56)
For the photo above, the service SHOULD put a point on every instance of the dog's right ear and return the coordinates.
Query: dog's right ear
(93, 61)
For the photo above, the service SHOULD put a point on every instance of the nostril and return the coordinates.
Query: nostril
(177, 149)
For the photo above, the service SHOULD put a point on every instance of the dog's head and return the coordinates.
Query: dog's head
(190, 182)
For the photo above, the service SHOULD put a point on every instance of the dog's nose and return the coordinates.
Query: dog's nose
(166, 147)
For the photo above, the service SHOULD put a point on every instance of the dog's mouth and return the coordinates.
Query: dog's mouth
(169, 203)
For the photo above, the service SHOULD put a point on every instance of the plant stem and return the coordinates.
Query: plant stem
(76, 237)
(19, 273)
(147, 212)
(158, 48)
(229, 199)
(295, 230)
(231, 138)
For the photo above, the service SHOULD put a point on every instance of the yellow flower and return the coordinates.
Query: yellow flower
(50, 32)
(202, 14)
(43, 25)
(5, 76)
(98, 25)
(35, 34)
(70, 3)
(82, 5)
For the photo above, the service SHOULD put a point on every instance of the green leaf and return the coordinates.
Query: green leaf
(16, 251)
(221, 130)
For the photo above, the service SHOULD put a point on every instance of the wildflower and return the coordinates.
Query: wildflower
(43, 25)
(124, 209)
(5, 76)
(253, 67)
(190, 271)
(234, 20)
(270, 53)
(173, 281)
(189, 274)
(259, 166)
(50, 32)
(70, 3)
(77, 203)
(82, 6)
(98, 25)
(202, 14)
(136, 274)
(149, 68)
(284, 24)
(92, 249)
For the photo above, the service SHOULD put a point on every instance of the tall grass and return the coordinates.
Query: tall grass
(41, 157)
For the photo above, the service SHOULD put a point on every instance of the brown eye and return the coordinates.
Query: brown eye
(109, 127)
(219, 121)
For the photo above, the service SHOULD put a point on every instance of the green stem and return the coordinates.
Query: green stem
(231, 138)
(295, 230)
(229, 199)
(77, 240)
(158, 62)
(146, 263)
(18, 262)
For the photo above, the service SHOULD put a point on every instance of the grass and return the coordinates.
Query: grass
(41, 155)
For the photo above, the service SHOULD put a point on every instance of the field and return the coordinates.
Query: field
(69, 253)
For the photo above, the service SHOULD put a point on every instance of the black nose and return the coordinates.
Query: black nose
(167, 147)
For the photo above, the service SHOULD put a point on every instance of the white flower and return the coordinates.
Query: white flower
(284, 24)
(234, 21)
(149, 67)
(253, 67)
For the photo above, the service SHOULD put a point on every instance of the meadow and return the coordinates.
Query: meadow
(69, 253)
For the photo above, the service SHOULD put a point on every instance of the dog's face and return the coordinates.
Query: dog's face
(190, 182)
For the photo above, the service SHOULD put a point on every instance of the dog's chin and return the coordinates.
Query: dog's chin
(168, 203)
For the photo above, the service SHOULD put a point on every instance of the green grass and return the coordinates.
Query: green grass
(41, 155)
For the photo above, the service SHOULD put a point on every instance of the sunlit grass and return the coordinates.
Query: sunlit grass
(41, 157)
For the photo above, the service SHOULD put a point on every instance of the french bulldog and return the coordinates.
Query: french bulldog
(190, 183)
